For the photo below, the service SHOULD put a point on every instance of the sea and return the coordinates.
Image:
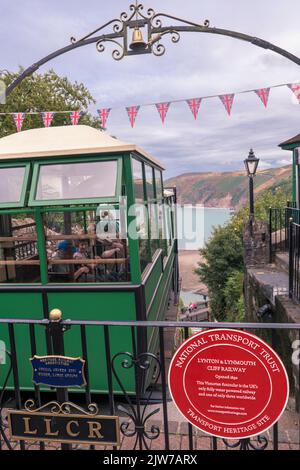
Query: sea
(195, 224)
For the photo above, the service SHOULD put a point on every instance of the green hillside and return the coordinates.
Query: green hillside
(228, 189)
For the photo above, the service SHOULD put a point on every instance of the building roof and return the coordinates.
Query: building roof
(293, 140)
(64, 141)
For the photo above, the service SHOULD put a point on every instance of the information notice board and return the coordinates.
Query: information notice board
(228, 383)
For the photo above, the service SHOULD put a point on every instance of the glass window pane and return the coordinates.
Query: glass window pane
(153, 215)
(149, 182)
(19, 259)
(77, 180)
(158, 185)
(83, 247)
(137, 174)
(161, 226)
(168, 223)
(143, 235)
(11, 184)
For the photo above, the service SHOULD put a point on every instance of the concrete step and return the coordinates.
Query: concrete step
(282, 261)
(271, 280)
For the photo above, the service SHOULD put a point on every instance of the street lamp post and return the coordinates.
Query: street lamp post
(251, 164)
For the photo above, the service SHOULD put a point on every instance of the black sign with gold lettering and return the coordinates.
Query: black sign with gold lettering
(69, 428)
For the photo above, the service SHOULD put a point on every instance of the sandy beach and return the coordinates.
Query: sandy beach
(188, 261)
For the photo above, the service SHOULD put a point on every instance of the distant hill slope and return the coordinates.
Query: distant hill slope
(228, 189)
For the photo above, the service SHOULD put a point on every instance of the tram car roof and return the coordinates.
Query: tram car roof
(66, 141)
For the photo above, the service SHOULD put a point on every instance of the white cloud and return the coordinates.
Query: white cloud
(199, 65)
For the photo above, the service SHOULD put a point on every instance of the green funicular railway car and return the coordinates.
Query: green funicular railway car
(71, 239)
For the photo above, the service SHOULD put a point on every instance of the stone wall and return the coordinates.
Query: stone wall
(287, 311)
(256, 243)
(258, 292)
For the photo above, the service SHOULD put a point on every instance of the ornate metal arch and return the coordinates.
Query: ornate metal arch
(152, 25)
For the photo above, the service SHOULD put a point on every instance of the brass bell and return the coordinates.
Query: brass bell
(137, 40)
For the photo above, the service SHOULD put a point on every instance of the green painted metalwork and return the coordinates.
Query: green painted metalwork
(97, 306)
(41, 246)
(135, 268)
(295, 176)
(111, 303)
(294, 179)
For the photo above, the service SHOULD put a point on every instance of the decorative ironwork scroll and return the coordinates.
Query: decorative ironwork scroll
(136, 425)
(260, 443)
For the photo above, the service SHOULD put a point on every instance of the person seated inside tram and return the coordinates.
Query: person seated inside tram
(81, 254)
(64, 250)
(107, 248)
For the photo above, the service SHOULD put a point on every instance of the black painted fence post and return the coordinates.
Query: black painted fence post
(57, 329)
(291, 258)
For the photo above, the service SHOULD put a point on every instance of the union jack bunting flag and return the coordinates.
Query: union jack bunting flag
(296, 90)
(132, 112)
(47, 118)
(162, 108)
(19, 119)
(103, 116)
(194, 106)
(263, 94)
(75, 116)
(227, 101)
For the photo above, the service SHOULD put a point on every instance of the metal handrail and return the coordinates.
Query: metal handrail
(161, 324)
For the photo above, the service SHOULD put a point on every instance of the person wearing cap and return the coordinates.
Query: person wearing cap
(65, 250)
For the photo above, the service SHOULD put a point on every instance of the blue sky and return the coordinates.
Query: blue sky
(198, 65)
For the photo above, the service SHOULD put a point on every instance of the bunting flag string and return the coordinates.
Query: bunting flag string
(194, 106)
(162, 108)
(295, 89)
(75, 116)
(263, 94)
(47, 118)
(227, 101)
(19, 119)
(103, 116)
(132, 112)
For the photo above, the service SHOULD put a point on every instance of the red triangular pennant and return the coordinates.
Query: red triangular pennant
(263, 94)
(194, 105)
(19, 119)
(162, 108)
(75, 116)
(103, 116)
(132, 112)
(227, 101)
(296, 90)
(47, 118)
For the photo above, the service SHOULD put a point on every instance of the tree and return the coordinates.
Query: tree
(45, 92)
(223, 257)
(234, 298)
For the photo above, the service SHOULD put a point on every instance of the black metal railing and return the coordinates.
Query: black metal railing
(285, 237)
(146, 416)
(279, 219)
(294, 260)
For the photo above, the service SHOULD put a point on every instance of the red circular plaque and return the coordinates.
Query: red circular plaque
(228, 383)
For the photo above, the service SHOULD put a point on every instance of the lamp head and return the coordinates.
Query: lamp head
(251, 163)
